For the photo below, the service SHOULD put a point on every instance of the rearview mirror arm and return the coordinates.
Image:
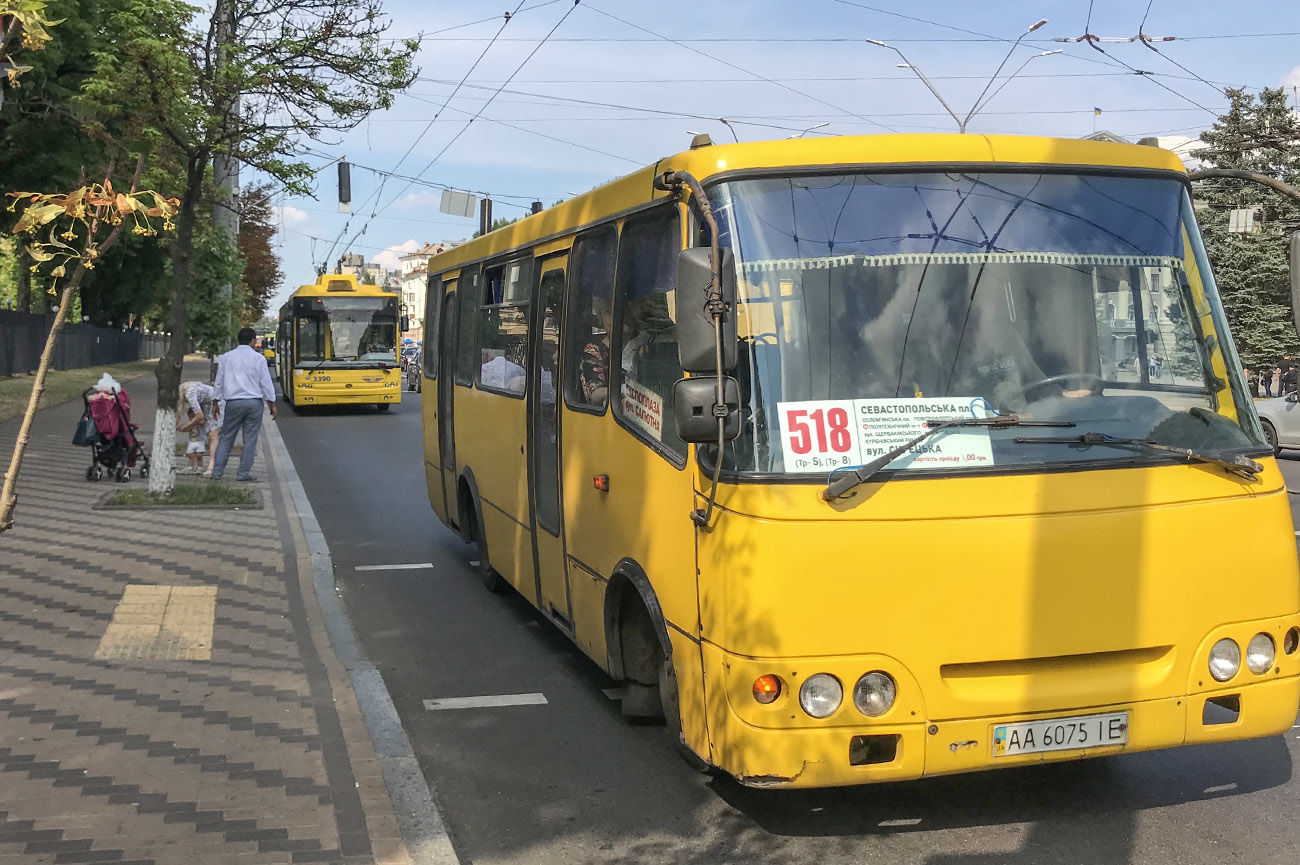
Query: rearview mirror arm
(717, 307)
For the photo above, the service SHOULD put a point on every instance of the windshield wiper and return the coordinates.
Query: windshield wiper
(852, 477)
(1239, 465)
(330, 360)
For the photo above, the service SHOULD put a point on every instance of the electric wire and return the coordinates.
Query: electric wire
(739, 68)
(379, 192)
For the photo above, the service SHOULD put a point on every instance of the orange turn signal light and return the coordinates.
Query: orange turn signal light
(601, 482)
(767, 688)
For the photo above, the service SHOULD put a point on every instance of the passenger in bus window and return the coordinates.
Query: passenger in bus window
(593, 371)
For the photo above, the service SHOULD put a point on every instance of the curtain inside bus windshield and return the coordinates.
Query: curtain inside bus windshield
(868, 297)
(347, 330)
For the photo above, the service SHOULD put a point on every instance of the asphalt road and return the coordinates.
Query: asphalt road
(570, 781)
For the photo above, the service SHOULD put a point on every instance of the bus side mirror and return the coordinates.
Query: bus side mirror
(695, 336)
(693, 401)
(1295, 279)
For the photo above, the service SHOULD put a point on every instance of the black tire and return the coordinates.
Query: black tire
(144, 470)
(1270, 433)
(98, 473)
(492, 581)
(90, 473)
(384, 406)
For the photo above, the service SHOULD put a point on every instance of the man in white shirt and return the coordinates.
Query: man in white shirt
(244, 383)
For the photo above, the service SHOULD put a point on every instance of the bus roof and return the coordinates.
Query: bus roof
(340, 284)
(833, 152)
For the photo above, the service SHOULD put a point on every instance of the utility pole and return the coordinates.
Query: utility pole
(225, 167)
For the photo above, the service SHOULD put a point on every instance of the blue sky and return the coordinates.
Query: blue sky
(772, 69)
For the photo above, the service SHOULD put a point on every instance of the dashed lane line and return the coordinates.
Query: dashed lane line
(411, 566)
(490, 701)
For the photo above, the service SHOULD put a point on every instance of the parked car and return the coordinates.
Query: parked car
(1281, 419)
(412, 370)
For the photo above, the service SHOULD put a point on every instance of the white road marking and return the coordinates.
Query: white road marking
(491, 701)
(616, 693)
(908, 821)
(1222, 788)
(474, 563)
(413, 566)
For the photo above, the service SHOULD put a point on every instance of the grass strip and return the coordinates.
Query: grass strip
(184, 495)
(62, 385)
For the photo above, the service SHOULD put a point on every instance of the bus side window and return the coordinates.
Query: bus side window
(432, 311)
(503, 327)
(467, 355)
(590, 321)
(647, 344)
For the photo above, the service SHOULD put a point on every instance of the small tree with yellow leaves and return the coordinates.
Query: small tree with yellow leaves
(71, 230)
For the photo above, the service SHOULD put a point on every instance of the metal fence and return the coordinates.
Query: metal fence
(22, 338)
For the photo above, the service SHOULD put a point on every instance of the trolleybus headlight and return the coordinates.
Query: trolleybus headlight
(1260, 653)
(1225, 660)
(767, 688)
(821, 695)
(874, 694)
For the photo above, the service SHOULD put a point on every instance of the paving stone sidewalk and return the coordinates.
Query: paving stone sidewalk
(250, 750)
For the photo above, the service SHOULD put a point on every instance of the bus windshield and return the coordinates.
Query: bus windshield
(346, 331)
(870, 304)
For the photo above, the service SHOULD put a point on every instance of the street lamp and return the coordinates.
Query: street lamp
(980, 105)
(906, 64)
(989, 84)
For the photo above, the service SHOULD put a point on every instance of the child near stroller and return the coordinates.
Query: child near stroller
(107, 430)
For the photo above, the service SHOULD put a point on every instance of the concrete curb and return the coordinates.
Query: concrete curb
(424, 832)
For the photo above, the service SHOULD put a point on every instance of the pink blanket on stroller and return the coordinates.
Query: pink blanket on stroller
(112, 417)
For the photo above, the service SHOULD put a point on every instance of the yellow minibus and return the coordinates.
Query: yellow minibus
(871, 458)
(337, 344)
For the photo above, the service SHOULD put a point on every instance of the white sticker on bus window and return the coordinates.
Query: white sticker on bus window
(643, 408)
(823, 435)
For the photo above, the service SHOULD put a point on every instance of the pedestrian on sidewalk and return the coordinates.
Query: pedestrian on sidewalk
(243, 384)
(204, 424)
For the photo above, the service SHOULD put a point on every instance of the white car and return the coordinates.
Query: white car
(1281, 419)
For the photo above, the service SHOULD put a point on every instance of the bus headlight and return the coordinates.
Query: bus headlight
(821, 695)
(874, 694)
(1260, 653)
(1225, 660)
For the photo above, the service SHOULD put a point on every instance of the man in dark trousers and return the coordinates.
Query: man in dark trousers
(243, 384)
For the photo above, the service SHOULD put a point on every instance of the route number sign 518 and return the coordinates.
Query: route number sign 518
(818, 434)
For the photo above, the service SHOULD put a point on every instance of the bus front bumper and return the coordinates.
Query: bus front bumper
(840, 751)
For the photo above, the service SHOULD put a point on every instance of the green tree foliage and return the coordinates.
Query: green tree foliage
(214, 316)
(1259, 133)
(249, 81)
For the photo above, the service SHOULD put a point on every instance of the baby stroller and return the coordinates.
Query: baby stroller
(107, 430)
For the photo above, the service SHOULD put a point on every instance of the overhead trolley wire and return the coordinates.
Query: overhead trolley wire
(380, 190)
(737, 67)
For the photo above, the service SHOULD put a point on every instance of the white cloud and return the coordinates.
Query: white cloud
(1292, 79)
(389, 258)
(293, 217)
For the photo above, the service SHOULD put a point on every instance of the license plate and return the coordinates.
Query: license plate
(1060, 734)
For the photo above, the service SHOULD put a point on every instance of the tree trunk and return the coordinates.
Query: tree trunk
(162, 469)
(9, 492)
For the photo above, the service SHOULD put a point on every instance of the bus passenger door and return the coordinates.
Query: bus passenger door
(446, 384)
(543, 444)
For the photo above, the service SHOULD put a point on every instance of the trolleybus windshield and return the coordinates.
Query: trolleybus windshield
(346, 331)
(870, 304)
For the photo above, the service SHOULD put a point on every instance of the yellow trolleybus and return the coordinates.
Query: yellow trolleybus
(868, 458)
(337, 344)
